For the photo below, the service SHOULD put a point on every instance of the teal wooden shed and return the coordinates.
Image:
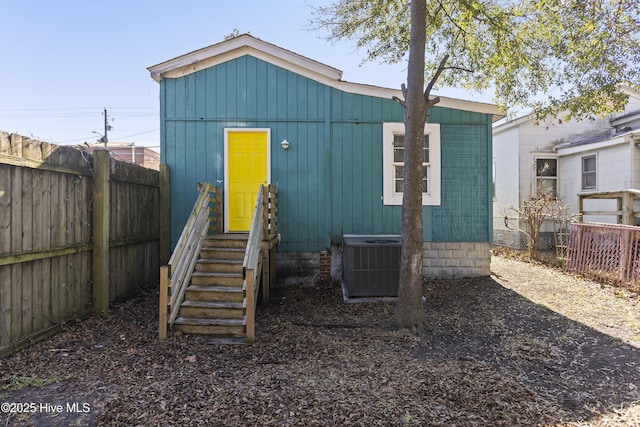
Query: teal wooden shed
(245, 111)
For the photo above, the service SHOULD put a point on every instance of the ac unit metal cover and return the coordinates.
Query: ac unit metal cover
(371, 265)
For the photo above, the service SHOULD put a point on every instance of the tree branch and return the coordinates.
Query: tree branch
(451, 20)
(433, 81)
(467, 70)
(403, 88)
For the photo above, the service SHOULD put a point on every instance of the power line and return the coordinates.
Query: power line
(139, 133)
(67, 115)
(74, 108)
(30, 113)
(119, 138)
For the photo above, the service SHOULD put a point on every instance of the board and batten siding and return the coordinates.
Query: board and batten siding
(330, 179)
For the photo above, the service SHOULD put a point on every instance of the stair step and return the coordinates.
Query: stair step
(209, 322)
(203, 278)
(216, 252)
(226, 241)
(212, 309)
(219, 265)
(226, 327)
(215, 302)
(215, 293)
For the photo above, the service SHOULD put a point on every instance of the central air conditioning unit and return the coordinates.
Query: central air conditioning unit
(371, 265)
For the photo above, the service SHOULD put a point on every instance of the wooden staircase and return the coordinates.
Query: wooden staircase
(215, 301)
(211, 282)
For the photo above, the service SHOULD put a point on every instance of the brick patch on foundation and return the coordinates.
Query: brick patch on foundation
(325, 266)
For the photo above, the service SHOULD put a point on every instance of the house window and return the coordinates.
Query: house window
(398, 163)
(393, 158)
(547, 177)
(589, 172)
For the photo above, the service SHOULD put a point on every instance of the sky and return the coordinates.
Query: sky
(63, 62)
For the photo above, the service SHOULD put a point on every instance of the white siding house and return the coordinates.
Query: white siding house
(605, 164)
(569, 158)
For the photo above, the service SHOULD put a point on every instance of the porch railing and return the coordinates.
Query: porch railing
(206, 219)
(175, 277)
(624, 204)
(607, 253)
(259, 256)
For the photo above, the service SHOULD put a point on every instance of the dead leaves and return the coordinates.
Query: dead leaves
(491, 357)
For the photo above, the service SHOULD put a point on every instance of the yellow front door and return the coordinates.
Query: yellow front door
(247, 167)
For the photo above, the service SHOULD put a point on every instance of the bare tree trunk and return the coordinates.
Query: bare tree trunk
(410, 312)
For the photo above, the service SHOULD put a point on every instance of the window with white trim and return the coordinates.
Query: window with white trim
(547, 176)
(589, 172)
(393, 162)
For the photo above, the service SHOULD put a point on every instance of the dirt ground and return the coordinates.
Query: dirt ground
(528, 346)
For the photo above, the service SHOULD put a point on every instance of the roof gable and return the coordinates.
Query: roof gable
(248, 45)
(239, 46)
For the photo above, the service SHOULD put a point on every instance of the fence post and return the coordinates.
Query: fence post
(101, 211)
(624, 256)
(164, 301)
(627, 208)
(165, 214)
(581, 207)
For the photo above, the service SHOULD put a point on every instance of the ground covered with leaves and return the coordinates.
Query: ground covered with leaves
(526, 346)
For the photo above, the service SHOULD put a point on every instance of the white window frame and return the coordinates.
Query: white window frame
(595, 172)
(390, 196)
(536, 177)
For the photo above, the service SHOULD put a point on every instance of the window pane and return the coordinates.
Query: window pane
(589, 173)
(398, 155)
(398, 148)
(398, 140)
(589, 181)
(425, 179)
(399, 178)
(546, 167)
(426, 149)
(547, 186)
(589, 164)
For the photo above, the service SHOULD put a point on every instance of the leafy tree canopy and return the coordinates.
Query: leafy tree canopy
(554, 57)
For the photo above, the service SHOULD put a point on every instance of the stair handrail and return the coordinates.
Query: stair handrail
(252, 266)
(175, 277)
(270, 214)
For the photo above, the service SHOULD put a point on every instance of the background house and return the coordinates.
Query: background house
(333, 148)
(127, 152)
(569, 159)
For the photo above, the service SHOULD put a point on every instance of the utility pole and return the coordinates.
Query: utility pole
(107, 127)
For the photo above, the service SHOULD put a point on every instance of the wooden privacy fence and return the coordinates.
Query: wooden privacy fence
(606, 253)
(76, 233)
